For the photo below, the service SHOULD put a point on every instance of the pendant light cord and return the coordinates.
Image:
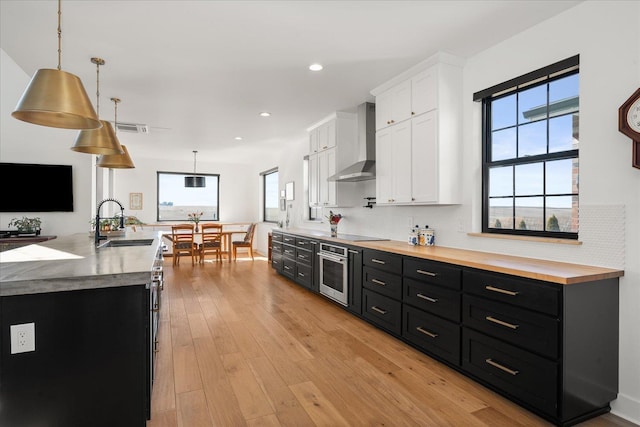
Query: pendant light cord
(98, 89)
(59, 35)
(115, 118)
(195, 153)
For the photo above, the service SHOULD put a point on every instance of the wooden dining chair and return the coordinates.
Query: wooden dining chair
(211, 241)
(183, 242)
(247, 242)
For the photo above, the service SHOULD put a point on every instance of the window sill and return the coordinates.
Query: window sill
(527, 238)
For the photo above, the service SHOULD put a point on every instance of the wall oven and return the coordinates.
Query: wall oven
(334, 272)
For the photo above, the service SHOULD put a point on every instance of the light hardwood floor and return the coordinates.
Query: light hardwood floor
(242, 346)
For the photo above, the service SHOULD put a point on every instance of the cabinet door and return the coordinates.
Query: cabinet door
(383, 110)
(331, 134)
(401, 102)
(424, 91)
(326, 168)
(313, 181)
(313, 141)
(384, 169)
(401, 162)
(424, 170)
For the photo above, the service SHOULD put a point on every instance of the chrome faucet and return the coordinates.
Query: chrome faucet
(98, 237)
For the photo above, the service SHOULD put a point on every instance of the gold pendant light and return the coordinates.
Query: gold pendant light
(98, 141)
(116, 161)
(56, 98)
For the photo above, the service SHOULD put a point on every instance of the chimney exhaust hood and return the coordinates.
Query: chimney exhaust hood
(365, 166)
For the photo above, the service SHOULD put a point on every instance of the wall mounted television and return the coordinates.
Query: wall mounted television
(36, 188)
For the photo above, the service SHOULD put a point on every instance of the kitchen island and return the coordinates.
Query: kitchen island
(91, 315)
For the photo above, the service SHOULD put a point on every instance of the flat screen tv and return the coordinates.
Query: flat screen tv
(36, 188)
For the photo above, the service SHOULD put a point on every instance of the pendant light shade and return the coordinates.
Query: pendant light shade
(98, 141)
(57, 99)
(195, 181)
(116, 161)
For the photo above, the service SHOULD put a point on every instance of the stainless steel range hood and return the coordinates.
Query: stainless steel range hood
(365, 166)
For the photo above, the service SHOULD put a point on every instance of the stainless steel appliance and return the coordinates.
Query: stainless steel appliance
(334, 272)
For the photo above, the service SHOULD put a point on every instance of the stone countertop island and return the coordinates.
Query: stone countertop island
(74, 263)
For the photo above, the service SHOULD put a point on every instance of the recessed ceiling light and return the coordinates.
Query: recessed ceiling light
(238, 138)
(315, 67)
(265, 114)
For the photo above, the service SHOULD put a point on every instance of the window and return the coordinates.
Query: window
(313, 213)
(270, 194)
(530, 153)
(176, 202)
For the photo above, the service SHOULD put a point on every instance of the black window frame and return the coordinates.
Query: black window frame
(542, 76)
(185, 174)
(264, 194)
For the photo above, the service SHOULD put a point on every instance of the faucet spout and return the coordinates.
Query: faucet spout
(97, 235)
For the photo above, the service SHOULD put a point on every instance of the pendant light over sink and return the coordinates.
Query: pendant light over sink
(116, 161)
(56, 98)
(195, 181)
(98, 141)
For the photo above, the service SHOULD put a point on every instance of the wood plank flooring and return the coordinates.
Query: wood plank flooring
(240, 345)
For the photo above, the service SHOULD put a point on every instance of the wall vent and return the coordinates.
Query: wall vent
(132, 127)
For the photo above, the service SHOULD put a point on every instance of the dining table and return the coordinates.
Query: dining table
(226, 238)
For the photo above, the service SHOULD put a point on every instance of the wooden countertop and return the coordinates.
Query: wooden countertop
(549, 271)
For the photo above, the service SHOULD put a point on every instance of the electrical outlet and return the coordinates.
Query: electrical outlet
(23, 338)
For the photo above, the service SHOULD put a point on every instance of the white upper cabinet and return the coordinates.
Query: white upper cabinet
(418, 138)
(323, 136)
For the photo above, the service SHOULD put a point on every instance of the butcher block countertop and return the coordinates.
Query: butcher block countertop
(562, 273)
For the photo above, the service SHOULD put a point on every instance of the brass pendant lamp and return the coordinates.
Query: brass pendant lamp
(195, 181)
(56, 98)
(98, 141)
(116, 161)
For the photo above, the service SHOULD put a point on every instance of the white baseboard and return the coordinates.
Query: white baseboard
(626, 407)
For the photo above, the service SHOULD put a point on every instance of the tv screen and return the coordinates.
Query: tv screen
(36, 188)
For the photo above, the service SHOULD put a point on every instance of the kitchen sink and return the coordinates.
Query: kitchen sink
(120, 243)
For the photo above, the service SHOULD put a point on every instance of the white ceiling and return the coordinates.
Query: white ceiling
(200, 72)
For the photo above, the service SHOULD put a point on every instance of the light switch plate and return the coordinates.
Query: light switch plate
(23, 338)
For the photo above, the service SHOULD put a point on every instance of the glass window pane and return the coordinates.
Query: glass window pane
(562, 135)
(529, 213)
(559, 177)
(532, 139)
(503, 144)
(562, 214)
(501, 213)
(503, 112)
(532, 104)
(501, 181)
(529, 179)
(564, 88)
(176, 202)
(271, 197)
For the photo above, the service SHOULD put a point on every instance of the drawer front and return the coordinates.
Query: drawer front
(276, 247)
(527, 329)
(431, 298)
(303, 243)
(432, 334)
(276, 237)
(303, 256)
(382, 282)
(289, 252)
(303, 275)
(276, 262)
(288, 239)
(289, 268)
(385, 261)
(433, 272)
(523, 375)
(382, 311)
(521, 292)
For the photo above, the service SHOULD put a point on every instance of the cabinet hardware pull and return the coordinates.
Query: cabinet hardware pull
(427, 333)
(413, 113)
(301, 274)
(377, 261)
(324, 147)
(378, 310)
(351, 251)
(378, 282)
(501, 322)
(427, 273)
(155, 346)
(156, 308)
(286, 267)
(501, 367)
(419, 295)
(500, 290)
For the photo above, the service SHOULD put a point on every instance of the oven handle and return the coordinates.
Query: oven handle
(332, 258)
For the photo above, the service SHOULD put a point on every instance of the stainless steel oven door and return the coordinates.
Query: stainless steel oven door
(333, 277)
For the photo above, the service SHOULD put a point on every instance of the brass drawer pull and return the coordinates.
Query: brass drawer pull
(419, 295)
(378, 282)
(501, 367)
(377, 261)
(378, 310)
(500, 290)
(301, 274)
(501, 322)
(286, 267)
(427, 273)
(427, 333)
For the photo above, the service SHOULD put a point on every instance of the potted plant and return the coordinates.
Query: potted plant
(26, 225)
